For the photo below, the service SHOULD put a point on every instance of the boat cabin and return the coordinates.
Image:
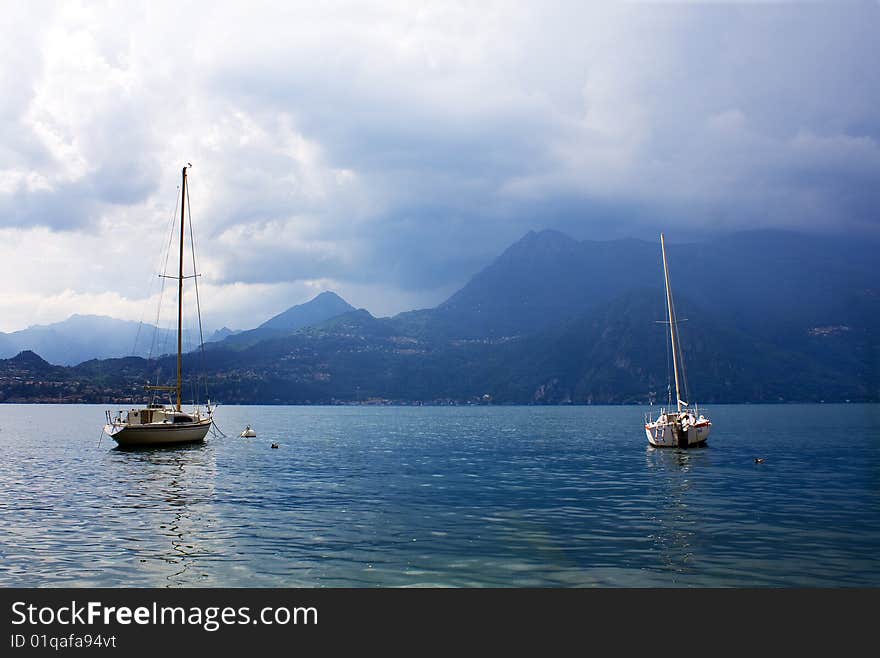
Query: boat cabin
(157, 413)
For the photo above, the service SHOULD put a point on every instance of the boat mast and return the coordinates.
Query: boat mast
(180, 293)
(671, 322)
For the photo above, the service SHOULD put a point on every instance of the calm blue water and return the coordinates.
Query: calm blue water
(444, 496)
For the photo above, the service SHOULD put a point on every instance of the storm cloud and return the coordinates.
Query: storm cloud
(388, 150)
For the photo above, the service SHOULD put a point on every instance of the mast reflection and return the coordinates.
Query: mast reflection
(171, 491)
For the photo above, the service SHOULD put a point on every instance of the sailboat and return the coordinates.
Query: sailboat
(158, 424)
(686, 426)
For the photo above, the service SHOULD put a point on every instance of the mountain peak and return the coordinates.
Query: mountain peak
(546, 237)
(326, 295)
(547, 242)
(318, 309)
(551, 234)
(29, 358)
(91, 319)
(220, 334)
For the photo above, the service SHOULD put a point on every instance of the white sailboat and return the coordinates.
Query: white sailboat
(160, 424)
(686, 426)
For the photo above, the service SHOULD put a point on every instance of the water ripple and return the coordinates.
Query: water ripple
(452, 497)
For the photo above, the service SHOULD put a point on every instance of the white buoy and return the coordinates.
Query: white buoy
(248, 433)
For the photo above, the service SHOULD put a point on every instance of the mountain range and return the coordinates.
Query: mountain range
(83, 337)
(771, 317)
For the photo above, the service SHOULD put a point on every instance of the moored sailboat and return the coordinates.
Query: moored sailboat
(686, 426)
(159, 424)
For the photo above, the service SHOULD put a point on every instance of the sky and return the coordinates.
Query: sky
(390, 150)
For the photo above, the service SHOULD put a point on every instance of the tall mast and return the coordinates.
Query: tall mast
(180, 293)
(672, 327)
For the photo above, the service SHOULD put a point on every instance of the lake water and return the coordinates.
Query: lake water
(444, 496)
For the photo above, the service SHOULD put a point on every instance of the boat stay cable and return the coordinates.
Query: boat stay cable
(155, 348)
(192, 244)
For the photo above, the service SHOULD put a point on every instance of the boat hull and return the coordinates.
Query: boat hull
(671, 435)
(159, 434)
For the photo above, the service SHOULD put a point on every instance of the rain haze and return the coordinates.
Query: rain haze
(389, 150)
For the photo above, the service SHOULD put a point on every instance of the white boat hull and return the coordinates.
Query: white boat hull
(159, 434)
(672, 435)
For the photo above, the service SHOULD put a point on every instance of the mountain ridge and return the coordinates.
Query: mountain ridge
(556, 321)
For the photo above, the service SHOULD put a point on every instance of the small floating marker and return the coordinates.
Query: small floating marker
(759, 460)
(274, 445)
(247, 433)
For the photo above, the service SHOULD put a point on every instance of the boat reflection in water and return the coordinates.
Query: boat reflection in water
(676, 517)
(171, 493)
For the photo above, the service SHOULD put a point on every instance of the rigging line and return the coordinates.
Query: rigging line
(684, 376)
(215, 426)
(684, 381)
(161, 335)
(192, 244)
(173, 223)
(156, 332)
(668, 345)
(150, 291)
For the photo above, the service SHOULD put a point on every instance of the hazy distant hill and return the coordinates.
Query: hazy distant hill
(83, 337)
(221, 334)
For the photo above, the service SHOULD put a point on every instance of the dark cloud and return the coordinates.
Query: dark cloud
(404, 149)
